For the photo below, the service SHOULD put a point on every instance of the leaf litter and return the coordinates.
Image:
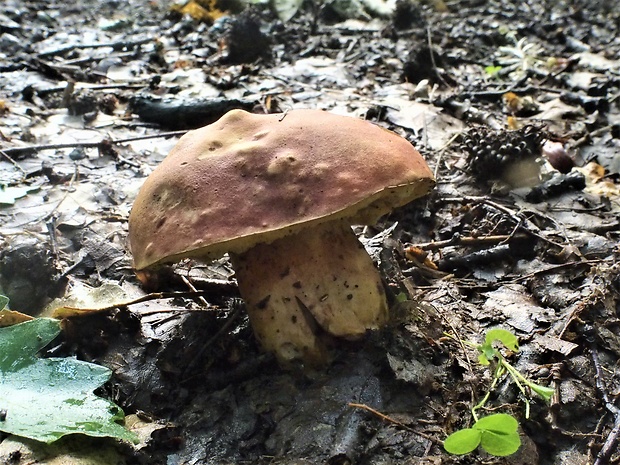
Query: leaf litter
(545, 269)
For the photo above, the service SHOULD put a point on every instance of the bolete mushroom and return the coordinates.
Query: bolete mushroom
(279, 192)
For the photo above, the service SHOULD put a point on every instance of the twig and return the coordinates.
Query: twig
(494, 94)
(114, 45)
(13, 162)
(588, 137)
(144, 298)
(469, 241)
(236, 305)
(441, 152)
(557, 267)
(521, 223)
(87, 86)
(383, 416)
(430, 51)
(388, 419)
(455, 337)
(193, 289)
(612, 438)
(36, 148)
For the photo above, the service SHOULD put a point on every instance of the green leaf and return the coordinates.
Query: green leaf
(543, 391)
(45, 399)
(509, 340)
(500, 423)
(4, 301)
(286, 9)
(8, 195)
(487, 352)
(492, 70)
(500, 445)
(462, 441)
(499, 434)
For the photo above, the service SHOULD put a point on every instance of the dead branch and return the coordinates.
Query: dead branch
(612, 438)
(7, 152)
(469, 241)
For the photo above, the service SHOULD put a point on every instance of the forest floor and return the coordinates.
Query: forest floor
(514, 105)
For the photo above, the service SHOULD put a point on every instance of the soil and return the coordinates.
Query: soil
(516, 108)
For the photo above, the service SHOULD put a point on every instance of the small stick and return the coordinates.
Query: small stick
(468, 241)
(13, 162)
(193, 288)
(35, 148)
(236, 305)
(145, 298)
(114, 45)
(612, 438)
(394, 422)
(382, 416)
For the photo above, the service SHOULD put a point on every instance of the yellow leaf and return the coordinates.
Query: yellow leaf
(11, 317)
(204, 10)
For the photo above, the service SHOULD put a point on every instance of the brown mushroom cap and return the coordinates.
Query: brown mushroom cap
(249, 178)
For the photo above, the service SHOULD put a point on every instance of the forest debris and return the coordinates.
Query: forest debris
(419, 375)
(514, 303)
(28, 274)
(597, 183)
(174, 113)
(556, 185)
(609, 446)
(436, 126)
(199, 10)
(11, 317)
(82, 299)
(8, 195)
(245, 42)
(76, 451)
(495, 154)
(555, 344)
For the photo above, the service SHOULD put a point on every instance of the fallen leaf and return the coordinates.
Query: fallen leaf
(47, 398)
(11, 317)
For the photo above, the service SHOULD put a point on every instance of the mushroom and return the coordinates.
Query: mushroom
(279, 192)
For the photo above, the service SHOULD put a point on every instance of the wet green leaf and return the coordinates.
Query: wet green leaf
(498, 423)
(497, 434)
(8, 195)
(462, 441)
(500, 445)
(543, 391)
(509, 340)
(45, 399)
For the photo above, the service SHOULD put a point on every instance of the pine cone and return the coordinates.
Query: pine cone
(490, 152)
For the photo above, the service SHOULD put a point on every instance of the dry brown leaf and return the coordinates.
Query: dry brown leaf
(66, 312)
(11, 317)
(205, 11)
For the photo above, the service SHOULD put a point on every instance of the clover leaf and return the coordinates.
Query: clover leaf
(497, 434)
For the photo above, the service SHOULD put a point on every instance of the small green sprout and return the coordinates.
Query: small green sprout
(492, 70)
(497, 434)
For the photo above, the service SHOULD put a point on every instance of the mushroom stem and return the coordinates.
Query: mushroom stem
(308, 285)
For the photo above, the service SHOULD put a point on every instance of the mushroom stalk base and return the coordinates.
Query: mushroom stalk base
(304, 287)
